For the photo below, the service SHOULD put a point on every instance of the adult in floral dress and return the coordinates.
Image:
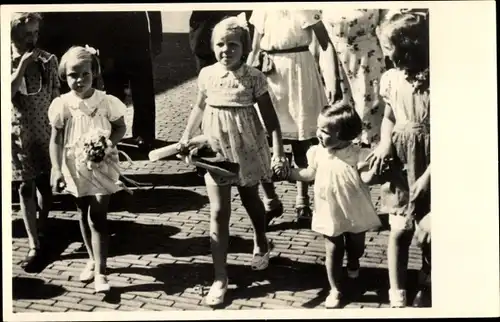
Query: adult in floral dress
(361, 60)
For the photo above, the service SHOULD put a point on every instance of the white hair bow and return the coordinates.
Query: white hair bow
(92, 50)
(242, 20)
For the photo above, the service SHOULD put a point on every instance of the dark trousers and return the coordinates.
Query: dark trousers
(139, 73)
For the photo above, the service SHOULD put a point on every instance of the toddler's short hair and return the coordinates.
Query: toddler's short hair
(233, 25)
(345, 119)
(78, 53)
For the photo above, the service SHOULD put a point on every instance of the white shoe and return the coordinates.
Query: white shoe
(88, 272)
(397, 298)
(216, 294)
(332, 300)
(101, 283)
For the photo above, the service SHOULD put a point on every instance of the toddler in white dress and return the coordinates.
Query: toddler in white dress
(343, 210)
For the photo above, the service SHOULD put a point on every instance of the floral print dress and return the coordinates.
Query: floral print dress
(362, 63)
(30, 124)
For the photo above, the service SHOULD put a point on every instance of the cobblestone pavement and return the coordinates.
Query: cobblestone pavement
(159, 255)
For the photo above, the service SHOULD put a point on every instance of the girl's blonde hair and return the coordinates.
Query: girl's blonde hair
(79, 53)
(19, 19)
(238, 26)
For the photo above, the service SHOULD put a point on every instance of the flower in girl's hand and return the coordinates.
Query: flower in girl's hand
(93, 148)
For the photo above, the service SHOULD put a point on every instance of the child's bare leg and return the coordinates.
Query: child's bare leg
(397, 261)
(334, 247)
(28, 211)
(83, 205)
(99, 231)
(220, 211)
(255, 208)
(44, 198)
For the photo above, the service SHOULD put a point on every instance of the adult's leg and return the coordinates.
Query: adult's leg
(299, 150)
(143, 98)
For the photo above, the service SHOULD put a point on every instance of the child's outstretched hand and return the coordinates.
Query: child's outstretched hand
(57, 181)
(420, 187)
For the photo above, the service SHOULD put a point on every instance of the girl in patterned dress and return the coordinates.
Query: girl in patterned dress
(295, 84)
(34, 84)
(405, 136)
(343, 210)
(72, 115)
(227, 93)
(361, 60)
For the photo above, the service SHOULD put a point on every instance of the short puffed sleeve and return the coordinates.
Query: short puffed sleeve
(312, 157)
(57, 114)
(260, 84)
(116, 108)
(202, 80)
(258, 20)
(309, 18)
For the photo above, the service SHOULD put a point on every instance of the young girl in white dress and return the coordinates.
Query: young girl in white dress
(343, 210)
(71, 115)
(295, 84)
(227, 93)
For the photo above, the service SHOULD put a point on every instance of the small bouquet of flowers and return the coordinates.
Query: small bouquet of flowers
(95, 148)
(97, 160)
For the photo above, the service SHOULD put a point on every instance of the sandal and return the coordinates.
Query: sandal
(30, 258)
(260, 261)
(397, 298)
(88, 272)
(216, 294)
(332, 300)
(101, 283)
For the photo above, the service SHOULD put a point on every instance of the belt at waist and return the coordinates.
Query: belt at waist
(288, 50)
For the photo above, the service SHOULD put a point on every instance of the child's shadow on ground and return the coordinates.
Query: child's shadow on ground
(157, 200)
(283, 274)
(34, 289)
(123, 240)
(144, 200)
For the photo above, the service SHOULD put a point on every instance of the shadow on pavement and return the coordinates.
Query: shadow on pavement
(124, 236)
(283, 274)
(157, 200)
(34, 289)
(179, 179)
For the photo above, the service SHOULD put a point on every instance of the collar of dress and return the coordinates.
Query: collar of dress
(223, 72)
(44, 57)
(87, 105)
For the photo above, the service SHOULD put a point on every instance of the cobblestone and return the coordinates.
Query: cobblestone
(160, 249)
